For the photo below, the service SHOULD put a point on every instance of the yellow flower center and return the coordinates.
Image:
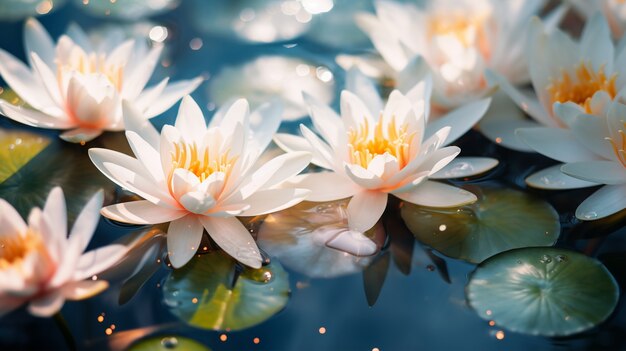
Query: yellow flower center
(464, 28)
(91, 63)
(581, 86)
(13, 250)
(363, 146)
(619, 146)
(202, 162)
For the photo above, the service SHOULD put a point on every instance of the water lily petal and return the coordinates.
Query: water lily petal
(268, 201)
(354, 243)
(319, 149)
(85, 289)
(325, 186)
(596, 44)
(275, 171)
(134, 121)
(462, 167)
(365, 89)
(264, 122)
(552, 178)
(23, 82)
(354, 112)
(365, 209)
(434, 194)
(56, 215)
(234, 238)
(362, 177)
(80, 135)
(388, 46)
(606, 201)
(326, 121)
(183, 239)
(603, 172)
(98, 260)
(137, 80)
(591, 132)
(460, 120)
(11, 222)
(35, 118)
(190, 121)
(141, 212)
(556, 143)
(170, 95)
(47, 305)
(290, 142)
(37, 39)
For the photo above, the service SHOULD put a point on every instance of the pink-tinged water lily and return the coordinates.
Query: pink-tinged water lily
(455, 40)
(372, 151)
(75, 87)
(613, 10)
(41, 266)
(584, 75)
(593, 150)
(202, 178)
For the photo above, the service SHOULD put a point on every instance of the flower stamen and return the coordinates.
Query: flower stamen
(390, 139)
(14, 249)
(580, 86)
(619, 148)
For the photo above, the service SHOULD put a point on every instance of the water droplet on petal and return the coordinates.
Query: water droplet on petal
(590, 215)
(545, 259)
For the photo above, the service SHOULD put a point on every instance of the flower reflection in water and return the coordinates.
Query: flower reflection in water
(314, 239)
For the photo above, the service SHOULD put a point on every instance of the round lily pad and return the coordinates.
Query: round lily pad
(17, 148)
(502, 219)
(45, 162)
(167, 343)
(210, 293)
(313, 238)
(543, 291)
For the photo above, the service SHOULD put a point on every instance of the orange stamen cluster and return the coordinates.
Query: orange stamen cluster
(580, 86)
(203, 162)
(13, 250)
(619, 146)
(92, 64)
(363, 146)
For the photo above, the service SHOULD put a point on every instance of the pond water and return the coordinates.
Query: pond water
(410, 297)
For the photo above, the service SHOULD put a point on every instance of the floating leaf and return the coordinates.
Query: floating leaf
(58, 164)
(501, 219)
(304, 238)
(167, 343)
(543, 291)
(17, 148)
(199, 293)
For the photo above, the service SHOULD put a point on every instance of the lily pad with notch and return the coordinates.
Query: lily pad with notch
(543, 291)
(203, 294)
(502, 219)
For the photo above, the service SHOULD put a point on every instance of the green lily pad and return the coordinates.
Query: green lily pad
(44, 164)
(167, 343)
(17, 148)
(502, 219)
(543, 291)
(202, 293)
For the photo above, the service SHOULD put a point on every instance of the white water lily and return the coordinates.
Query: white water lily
(584, 75)
(613, 10)
(372, 151)
(455, 40)
(75, 87)
(202, 178)
(593, 149)
(41, 266)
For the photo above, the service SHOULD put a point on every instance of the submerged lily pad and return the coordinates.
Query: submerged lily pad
(17, 148)
(203, 295)
(502, 219)
(313, 238)
(167, 343)
(543, 291)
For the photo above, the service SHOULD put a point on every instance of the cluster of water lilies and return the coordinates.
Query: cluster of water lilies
(453, 65)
